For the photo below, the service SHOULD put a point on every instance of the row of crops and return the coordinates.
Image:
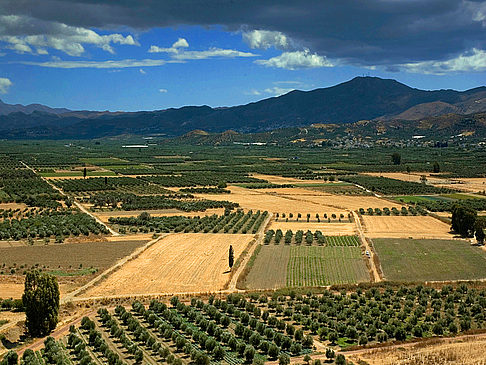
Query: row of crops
(129, 201)
(411, 210)
(50, 223)
(309, 238)
(447, 205)
(389, 186)
(235, 222)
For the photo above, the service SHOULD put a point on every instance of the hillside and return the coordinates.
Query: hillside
(6, 109)
(362, 98)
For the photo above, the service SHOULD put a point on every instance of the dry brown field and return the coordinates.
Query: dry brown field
(64, 257)
(196, 262)
(13, 206)
(460, 351)
(327, 229)
(471, 185)
(405, 227)
(271, 201)
(280, 179)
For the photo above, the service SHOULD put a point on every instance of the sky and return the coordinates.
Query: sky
(146, 54)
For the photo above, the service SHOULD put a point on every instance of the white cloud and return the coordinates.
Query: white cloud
(142, 71)
(177, 52)
(101, 64)
(4, 85)
(180, 43)
(163, 91)
(253, 92)
(296, 60)
(264, 39)
(211, 53)
(474, 61)
(23, 33)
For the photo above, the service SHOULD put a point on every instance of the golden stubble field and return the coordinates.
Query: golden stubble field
(470, 185)
(405, 227)
(460, 351)
(190, 262)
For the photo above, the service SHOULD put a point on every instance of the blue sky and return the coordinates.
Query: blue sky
(122, 59)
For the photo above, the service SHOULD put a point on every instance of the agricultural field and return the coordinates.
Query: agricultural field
(320, 266)
(71, 263)
(280, 266)
(405, 227)
(104, 216)
(236, 222)
(461, 351)
(191, 262)
(421, 260)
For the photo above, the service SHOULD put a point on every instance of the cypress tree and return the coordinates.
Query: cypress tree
(231, 257)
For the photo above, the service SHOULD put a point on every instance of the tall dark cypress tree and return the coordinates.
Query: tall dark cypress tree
(41, 302)
(231, 257)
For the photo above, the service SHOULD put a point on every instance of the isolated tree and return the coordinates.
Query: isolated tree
(423, 179)
(408, 169)
(85, 172)
(41, 302)
(330, 354)
(106, 180)
(480, 233)
(436, 167)
(340, 360)
(463, 220)
(222, 185)
(396, 158)
(283, 359)
(231, 256)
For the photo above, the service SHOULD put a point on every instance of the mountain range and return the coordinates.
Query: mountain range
(362, 98)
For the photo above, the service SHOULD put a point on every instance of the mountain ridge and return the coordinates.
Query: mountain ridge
(361, 98)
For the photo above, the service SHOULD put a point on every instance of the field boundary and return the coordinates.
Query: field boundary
(68, 297)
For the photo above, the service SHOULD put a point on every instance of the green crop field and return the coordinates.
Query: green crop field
(318, 266)
(420, 260)
(342, 241)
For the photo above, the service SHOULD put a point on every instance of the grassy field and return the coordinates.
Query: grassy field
(420, 260)
(319, 266)
(280, 266)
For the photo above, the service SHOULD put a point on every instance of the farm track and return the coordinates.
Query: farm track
(70, 296)
(78, 205)
(259, 240)
(374, 271)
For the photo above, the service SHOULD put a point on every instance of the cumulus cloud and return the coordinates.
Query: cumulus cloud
(296, 60)
(101, 64)
(4, 85)
(474, 61)
(177, 52)
(25, 34)
(142, 71)
(264, 39)
(163, 91)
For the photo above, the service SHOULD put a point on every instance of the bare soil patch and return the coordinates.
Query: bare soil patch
(405, 227)
(280, 179)
(195, 262)
(60, 259)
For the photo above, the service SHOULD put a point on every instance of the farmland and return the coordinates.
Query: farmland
(405, 227)
(420, 260)
(279, 266)
(195, 262)
(295, 225)
(68, 260)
